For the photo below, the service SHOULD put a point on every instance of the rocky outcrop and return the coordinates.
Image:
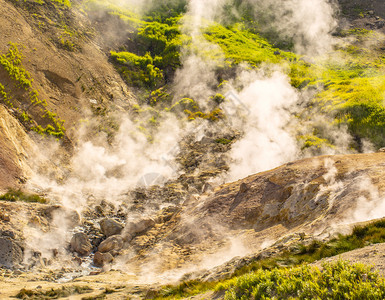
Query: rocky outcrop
(312, 196)
(11, 253)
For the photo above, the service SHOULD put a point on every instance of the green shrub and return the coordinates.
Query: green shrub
(336, 281)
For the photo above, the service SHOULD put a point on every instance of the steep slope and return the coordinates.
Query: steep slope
(62, 83)
(16, 146)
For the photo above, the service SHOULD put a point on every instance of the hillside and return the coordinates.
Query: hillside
(153, 143)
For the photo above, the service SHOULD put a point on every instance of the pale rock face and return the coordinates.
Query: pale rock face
(10, 253)
(16, 147)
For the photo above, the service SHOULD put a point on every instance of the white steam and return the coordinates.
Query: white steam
(268, 140)
(106, 171)
(308, 23)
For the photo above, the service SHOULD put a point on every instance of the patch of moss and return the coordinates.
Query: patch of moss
(18, 195)
(11, 62)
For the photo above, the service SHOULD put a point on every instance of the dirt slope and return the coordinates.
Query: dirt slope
(314, 196)
(15, 148)
(68, 80)
(77, 83)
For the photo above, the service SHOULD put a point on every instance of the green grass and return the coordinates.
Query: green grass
(18, 195)
(62, 3)
(241, 45)
(336, 281)
(11, 62)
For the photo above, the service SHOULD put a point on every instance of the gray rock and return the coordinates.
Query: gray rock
(11, 253)
(113, 243)
(110, 227)
(81, 244)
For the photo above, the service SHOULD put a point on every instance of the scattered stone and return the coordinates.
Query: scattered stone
(100, 259)
(110, 227)
(81, 244)
(4, 217)
(381, 149)
(55, 252)
(243, 188)
(93, 273)
(113, 243)
(11, 253)
(380, 24)
(38, 222)
(8, 233)
(77, 260)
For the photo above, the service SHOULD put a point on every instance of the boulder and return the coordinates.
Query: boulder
(110, 227)
(11, 253)
(135, 228)
(81, 244)
(113, 243)
(100, 259)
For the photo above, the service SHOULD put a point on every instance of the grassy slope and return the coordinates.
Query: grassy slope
(267, 276)
(350, 89)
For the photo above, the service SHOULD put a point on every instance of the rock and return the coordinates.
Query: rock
(243, 188)
(77, 260)
(11, 253)
(38, 222)
(81, 244)
(135, 228)
(381, 149)
(110, 227)
(113, 243)
(71, 217)
(8, 233)
(100, 259)
(5, 217)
